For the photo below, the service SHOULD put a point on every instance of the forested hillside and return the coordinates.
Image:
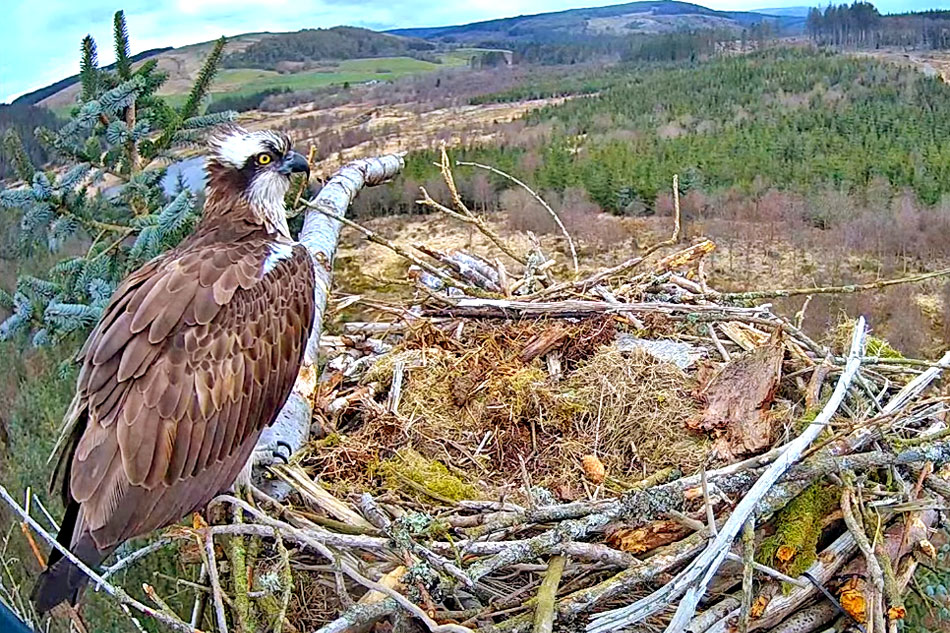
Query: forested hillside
(659, 16)
(861, 25)
(342, 42)
(785, 157)
(23, 119)
(788, 118)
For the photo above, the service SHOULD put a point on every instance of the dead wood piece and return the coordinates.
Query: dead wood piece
(809, 619)
(748, 553)
(544, 342)
(646, 538)
(547, 596)
(815, 383)
(638, 574)
(875, 598)
(471, 268)
(320, 498)
(738, 401)
(713, 614)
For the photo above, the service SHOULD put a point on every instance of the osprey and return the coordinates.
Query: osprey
(194, 356)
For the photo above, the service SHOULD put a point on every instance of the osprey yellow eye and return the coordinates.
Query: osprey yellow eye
(264, 159)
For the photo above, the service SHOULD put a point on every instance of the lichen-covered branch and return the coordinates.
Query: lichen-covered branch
(547, 595)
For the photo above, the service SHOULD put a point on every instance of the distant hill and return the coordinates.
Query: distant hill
(266, 61)
(661, 16)
(32, 98)
(310, 45)
(311, 57)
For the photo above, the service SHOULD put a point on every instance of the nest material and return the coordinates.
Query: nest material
(487, 408)
(475, 416)
(480, 440)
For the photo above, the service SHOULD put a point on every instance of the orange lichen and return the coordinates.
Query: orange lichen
(785, 553)
(927, 548)
(852, 599)
(758, 607)
(646, 538)
(897, 612)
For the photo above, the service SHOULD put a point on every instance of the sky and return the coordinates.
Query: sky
(42, 38)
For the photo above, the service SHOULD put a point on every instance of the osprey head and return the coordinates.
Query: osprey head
(256, 166)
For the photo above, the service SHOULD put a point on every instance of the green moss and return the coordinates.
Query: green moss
(881, 349)
(875, 346)
(332, 440)
(413, 473)
(806, 418)
(792, 549)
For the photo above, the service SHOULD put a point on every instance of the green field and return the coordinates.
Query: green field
(244, 81)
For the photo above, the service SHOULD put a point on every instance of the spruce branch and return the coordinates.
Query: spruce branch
(203, 82)
(123, 64)
(89, 69)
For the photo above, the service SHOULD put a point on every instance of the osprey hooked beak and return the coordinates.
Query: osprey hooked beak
(294, 163)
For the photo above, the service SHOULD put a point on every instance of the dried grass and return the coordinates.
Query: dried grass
(636, 409)
(472, 412)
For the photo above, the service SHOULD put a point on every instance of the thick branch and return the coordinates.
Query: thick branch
(320, 235)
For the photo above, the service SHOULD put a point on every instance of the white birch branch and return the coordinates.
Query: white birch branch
(320, 235)
(692, 581)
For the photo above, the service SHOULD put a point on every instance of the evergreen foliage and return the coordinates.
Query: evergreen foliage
(791, 119)
(860, 25)
(21, 144)
(203, 81)
(19, 160)
(309, 45)
(89, 68)
(243, 103)
(123, 65)
(118, 130)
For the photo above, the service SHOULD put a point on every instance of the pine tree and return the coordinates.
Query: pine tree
(122, 130)
(15, 152)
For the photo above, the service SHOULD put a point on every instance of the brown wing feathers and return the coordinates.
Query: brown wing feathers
(194, 356)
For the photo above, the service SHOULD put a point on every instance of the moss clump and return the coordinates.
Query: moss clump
(525, 394)
(802, 422)
(409, 471)
(875, 346)
(881, 349)
(792, 549)
(332, 440)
